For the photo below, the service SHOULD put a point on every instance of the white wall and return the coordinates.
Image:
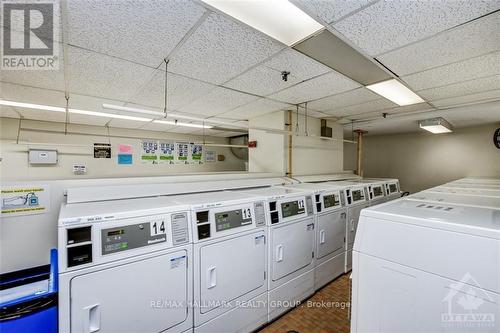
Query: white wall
(310, 155)
(15, 165)
(422, 160)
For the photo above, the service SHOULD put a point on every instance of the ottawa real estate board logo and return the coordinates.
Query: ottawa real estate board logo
(30, 35)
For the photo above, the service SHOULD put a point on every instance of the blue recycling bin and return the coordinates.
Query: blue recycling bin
(28, 299)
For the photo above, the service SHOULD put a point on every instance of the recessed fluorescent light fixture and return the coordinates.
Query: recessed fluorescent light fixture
(396, 92)
(436, 125)
(32, 106)
(176, 123)
(279, 19)
(134, 110)
(108, 115)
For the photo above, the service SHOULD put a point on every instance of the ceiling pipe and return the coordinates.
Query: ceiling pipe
(359, 151)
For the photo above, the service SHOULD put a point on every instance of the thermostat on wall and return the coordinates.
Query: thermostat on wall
(45, 157)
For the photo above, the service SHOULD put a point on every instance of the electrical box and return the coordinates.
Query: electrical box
(325, 130)
(42, 157)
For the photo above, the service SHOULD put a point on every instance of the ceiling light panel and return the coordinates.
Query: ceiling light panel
(396, 92)
(436, 125)
(332, 10)
(386, 25)
(172, 122)
(353, 97)
(462, 88)
(108, 115)
(99, 75)
(467, 41)
(218, 101)
(181, 91)
(220, 49)
(318, 87)
(99, 26)
(279, 19)
(470, 69)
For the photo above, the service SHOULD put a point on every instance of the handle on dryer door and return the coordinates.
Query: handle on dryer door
(92, 318)
(351, 224)
(212, 277)
(322, 236)
(343, 215)
(279, 253)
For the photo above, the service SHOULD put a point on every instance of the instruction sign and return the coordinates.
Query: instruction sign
(182, 151)
(196, 153)
(102, 150)
(25, 200)
(149, 154)
(167, 152)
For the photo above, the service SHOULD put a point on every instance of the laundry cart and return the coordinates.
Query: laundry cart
(28, 300)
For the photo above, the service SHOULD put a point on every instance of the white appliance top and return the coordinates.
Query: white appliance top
(213, 199)
(468, 191)
(348, 183)
(276, 192)
(473, 185)
(315, 187)
(455, 198)
(117, 209)
(478, 180)
(469, 220)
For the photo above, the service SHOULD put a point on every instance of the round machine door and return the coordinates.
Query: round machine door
(331, 233)
(292, 246)
(121, 298)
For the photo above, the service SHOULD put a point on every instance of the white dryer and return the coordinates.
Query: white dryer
(477, 186)
(459, 199)
(331, 221)
(356, 200)
(422, 267)
(230, 255)
(466, 191)
(125, 266)
(291, 246)
(477, 180)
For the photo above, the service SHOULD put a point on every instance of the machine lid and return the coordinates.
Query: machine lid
(316, 187)
(445, 216)
(214, 198)
(276, 192)
(473, 185)
(114, 209)
(467, 191)
(460, 199)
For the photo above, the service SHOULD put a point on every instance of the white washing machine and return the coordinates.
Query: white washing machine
(291, 240)
(422, 267)
(230, 255)
(473, 186)
(125, 266)
(331, 220)
(376, 190)
(477, 180)
(356, 199)
(466, 191)
(459, 199)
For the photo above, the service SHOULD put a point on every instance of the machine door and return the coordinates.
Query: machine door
(231, 269)
(331, 233)
(292, 246)
(352, 223)
(122, 298)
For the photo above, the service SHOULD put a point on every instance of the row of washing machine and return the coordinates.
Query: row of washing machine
(430, 262)
(226, 261)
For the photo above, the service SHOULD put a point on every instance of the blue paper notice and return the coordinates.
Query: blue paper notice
(124, 159)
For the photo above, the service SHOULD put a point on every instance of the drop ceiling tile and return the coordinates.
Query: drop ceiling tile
(387, 25)
(41, 115)
(207, 132)
(318, 87)
(181, 91)
(8, 112)
(298, 64)
(356, 96)
(479, 97)
(140, 31)
(461, 88)
(330, 10)
(261, 81)
(123, 123)
(254, 109)
(99, 75)
(25, 94)
(220, 49)
(470, 69)
(156, 127)
(82, 119)
(228, 134)
(376, 105)
(470, 40)
(392, 111)
(217, 101)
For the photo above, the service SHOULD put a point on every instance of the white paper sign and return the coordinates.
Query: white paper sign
(25, 200)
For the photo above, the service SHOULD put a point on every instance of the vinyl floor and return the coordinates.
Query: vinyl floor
(325, 312)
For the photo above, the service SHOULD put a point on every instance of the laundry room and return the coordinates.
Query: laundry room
(237, 166)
